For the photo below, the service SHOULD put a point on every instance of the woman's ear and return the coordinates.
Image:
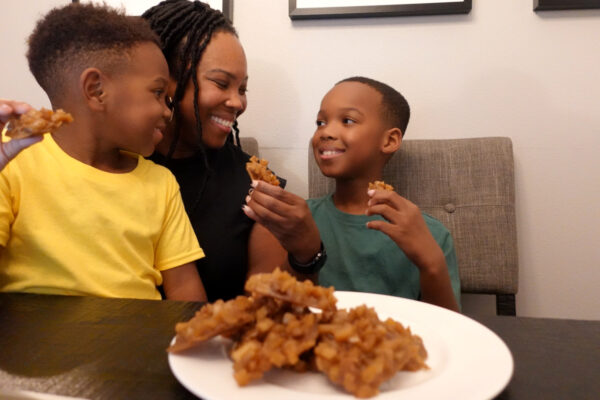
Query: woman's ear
(392, 141)
(92, 83)
(171, 86)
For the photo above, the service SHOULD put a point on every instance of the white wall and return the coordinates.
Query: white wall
(502, 70)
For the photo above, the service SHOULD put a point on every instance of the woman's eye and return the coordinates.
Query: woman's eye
(221, 84)
(159, 93)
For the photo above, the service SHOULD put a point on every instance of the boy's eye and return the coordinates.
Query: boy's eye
(243, 91)
(348, 121)
(320, 123)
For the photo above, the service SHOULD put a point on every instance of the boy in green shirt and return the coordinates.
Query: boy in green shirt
(376, 240)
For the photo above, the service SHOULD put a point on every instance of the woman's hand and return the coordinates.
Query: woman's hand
(287, 217)
(9, 150)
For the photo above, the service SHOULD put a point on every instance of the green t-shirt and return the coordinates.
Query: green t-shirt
(365, 260)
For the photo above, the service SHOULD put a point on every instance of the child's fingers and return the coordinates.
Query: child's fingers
(5, 110)
(381, 226)
(11, 108)
(390, 198)
(386, 212)
(15, 146)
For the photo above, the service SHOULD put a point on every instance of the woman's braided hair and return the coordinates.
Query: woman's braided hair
(185, 28)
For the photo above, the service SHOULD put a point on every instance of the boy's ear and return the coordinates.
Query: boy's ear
(392, 140)
(92, 83)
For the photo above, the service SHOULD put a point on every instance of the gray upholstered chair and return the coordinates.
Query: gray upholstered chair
(249, 145)
(468, 184)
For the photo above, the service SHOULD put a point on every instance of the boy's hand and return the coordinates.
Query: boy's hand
(8, 151)
(405, 226)
(10, 109)
(287, 217)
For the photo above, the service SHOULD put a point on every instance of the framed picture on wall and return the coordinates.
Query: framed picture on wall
(321, 9)
(137, 7)
(542, 5)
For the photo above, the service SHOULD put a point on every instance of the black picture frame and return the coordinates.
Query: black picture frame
(227, 8)
(550, 5)
(414, 8)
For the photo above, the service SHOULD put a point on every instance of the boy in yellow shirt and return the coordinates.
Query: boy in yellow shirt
(82, 212)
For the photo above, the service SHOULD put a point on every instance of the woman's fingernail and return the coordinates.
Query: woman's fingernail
(248, 198)
(248, 211)
(371, 192)
(254, 184)
(251, 190)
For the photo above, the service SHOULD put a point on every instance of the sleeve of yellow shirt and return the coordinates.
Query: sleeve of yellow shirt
(6, 210)
(177, 244)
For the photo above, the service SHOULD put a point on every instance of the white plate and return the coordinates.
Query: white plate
(466, 360)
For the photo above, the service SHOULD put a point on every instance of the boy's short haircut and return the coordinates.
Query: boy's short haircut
(72, 38)
(396, 110)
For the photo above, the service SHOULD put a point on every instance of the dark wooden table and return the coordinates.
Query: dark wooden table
(115, 349)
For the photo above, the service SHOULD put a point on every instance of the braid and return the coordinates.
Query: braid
(237, 134)
(185, 28)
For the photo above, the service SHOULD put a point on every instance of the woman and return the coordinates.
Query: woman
(207, 92)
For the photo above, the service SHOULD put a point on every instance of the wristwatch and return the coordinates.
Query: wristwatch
(313, 266)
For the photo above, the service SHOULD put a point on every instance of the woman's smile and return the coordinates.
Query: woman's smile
(222, 123)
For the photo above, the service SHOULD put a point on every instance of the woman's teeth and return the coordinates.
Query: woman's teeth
(222, 121)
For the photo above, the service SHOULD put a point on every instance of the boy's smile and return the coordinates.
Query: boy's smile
(350, 132)
(327, 153)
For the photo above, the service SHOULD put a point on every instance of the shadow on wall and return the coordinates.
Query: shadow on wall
(568, 14)
(437, 20)
(272, 118)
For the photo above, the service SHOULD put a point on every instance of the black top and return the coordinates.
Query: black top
(214, 203)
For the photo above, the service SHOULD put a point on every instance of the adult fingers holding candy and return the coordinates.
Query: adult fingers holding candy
(287, 217)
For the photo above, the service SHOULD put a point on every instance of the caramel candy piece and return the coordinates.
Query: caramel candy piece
(258, 171)
(380, 185)
(37, 122)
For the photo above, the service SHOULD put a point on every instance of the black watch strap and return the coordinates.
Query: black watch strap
(313, 266)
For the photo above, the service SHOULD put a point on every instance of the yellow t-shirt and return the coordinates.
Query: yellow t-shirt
(69, 228)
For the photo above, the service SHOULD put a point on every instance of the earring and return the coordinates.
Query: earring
(170, 105)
